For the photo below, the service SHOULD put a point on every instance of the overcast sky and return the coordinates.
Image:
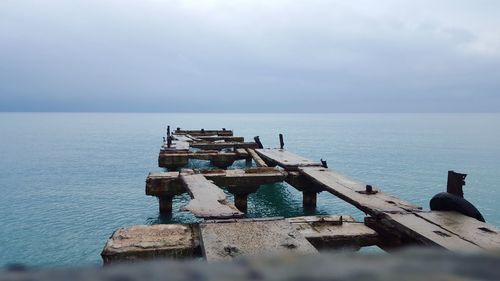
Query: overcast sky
(250, 56)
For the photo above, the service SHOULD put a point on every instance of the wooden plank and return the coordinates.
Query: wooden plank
(258, 161)
(427, 233)
(482, 234)
(242, 152)
(352, 192)
(223, 145)
(150, 241)
(227, 241)
(208, 200)
(333, 231)
(285, 159)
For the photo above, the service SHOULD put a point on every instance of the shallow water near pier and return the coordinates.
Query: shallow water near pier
(68, 180)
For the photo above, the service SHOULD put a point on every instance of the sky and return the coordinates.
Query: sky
(250, 56)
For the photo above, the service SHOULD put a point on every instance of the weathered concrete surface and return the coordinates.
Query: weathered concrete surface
(353, 192)
(222, 145)
(164, 184)
(408, 265)
(177, 159)
(245, 177)
(227, 241)
(176, 146)
(263, 235)
(449, 230)
(207, 199)
(239, 182)
(482, 234)
(205, 132)
(285, 159)
(169, 184)
(151, 241)
(221, 138)
(333, 232)
(258, 161)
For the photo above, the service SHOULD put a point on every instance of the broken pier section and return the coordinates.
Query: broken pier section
(228, 239)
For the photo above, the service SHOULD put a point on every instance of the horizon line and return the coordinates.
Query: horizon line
(268, 112)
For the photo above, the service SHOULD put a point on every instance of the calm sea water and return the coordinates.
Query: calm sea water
(67, 181)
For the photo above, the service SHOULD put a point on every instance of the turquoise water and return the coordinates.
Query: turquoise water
(67, 180)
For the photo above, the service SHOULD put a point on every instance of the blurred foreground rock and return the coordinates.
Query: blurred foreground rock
(413, 264)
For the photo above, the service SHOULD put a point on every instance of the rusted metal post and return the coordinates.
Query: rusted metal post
(282, 143)
(455, 184)
(169, 141)
(257, 141)
(165, 205)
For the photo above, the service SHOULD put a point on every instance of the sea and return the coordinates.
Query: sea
(68, 180)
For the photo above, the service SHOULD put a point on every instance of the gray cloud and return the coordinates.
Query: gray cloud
(250, 56)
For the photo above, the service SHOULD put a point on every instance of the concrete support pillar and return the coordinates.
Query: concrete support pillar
(248, 162)
(165, 205)
(240, 201)
(241, 195)
(309, 199)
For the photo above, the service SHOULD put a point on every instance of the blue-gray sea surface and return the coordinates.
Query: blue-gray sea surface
(68, 180)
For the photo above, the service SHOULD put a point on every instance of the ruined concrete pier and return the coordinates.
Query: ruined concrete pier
(223, 233)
